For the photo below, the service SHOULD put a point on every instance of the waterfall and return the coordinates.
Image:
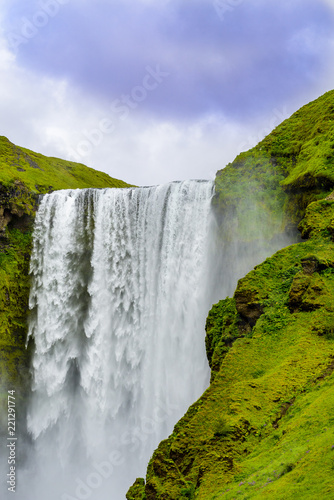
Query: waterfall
(120, 293)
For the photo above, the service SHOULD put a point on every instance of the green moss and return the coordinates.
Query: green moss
(137, 491)
(14, 291)
(266, 190)
(14, 287)
(221, 330)
(222, 428)
(41, 174)
(318, 220)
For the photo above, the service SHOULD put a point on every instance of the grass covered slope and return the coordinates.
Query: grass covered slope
(266, 190)
(265, 426)
(41, 174)
(23, 176)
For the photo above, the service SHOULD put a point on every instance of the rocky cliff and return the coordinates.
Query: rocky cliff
(264, 427)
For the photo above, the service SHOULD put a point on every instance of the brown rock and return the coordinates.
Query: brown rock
(247, 305)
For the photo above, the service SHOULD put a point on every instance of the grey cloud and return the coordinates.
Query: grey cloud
(238, 67)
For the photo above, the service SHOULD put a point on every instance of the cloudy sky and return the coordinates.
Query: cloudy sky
(152, 91)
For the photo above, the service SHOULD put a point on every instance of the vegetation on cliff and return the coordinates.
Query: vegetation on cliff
(24, 175)
(266, 190)
(41, 174)
(264, 427)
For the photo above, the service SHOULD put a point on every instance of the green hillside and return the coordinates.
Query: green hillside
(264, 427)
(267, 189)
(41, 174)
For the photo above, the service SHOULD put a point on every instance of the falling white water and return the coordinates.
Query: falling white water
(120, 293)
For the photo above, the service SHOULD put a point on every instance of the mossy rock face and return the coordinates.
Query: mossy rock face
(137, 491)
(248, 304)
(307, 293)
(264, 427)
(319, 219)
(223, 326)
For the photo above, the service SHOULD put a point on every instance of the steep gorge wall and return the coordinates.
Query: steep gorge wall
(264, 427)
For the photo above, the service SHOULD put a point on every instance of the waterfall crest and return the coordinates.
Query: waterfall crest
(119, 297)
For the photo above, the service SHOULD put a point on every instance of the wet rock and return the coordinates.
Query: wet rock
(5, 218)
